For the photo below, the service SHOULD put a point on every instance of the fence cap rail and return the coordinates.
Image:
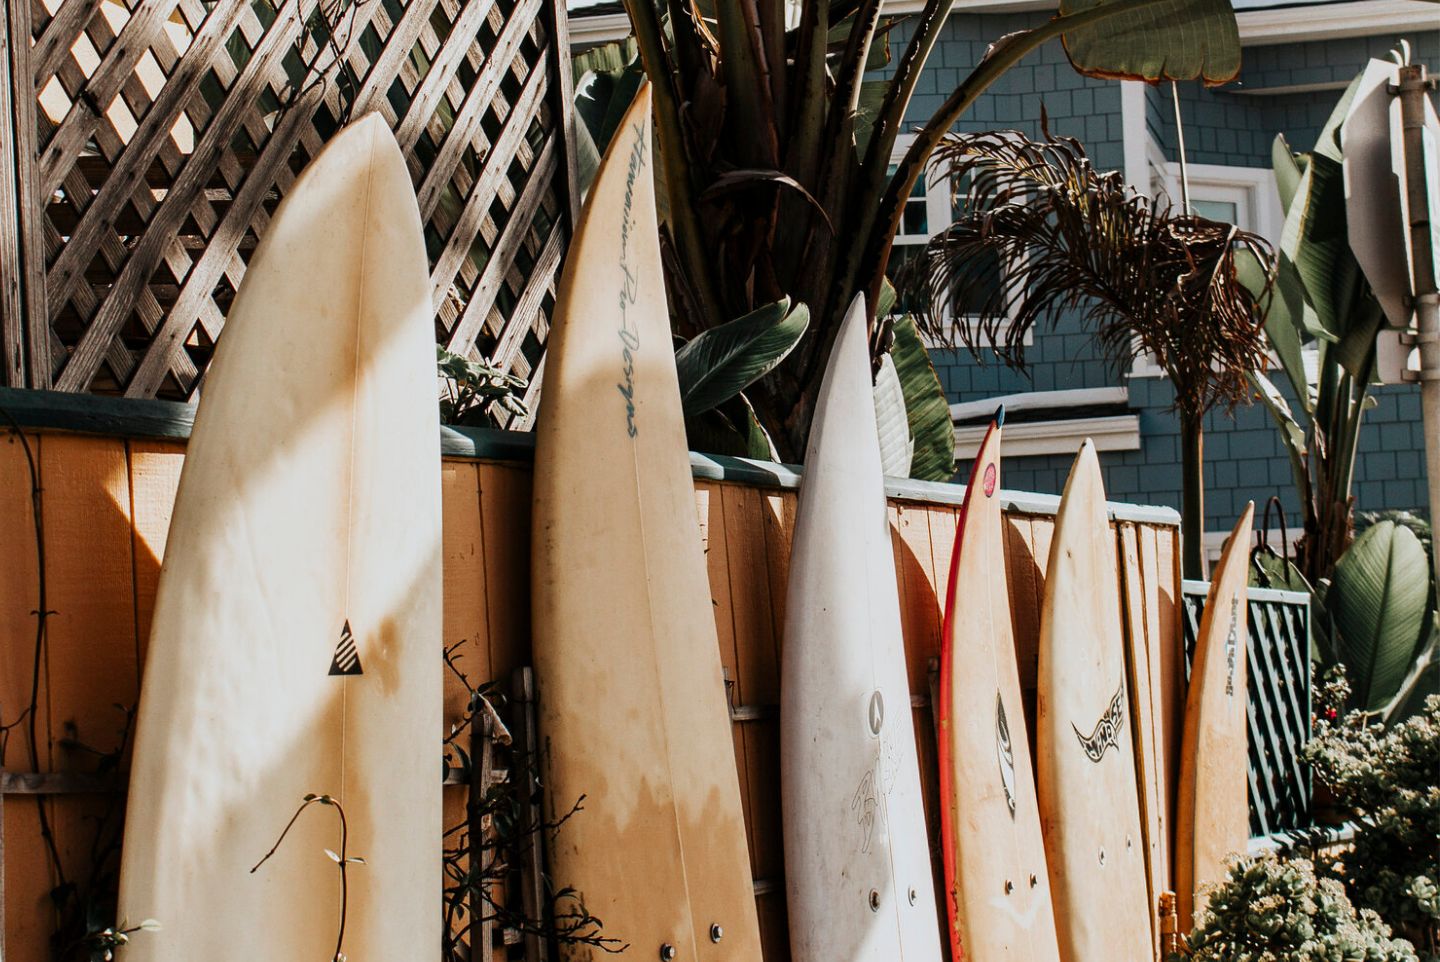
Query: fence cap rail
(1191, 586)
(173, 420)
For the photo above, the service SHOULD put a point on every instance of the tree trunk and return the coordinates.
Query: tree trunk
(1192, 482)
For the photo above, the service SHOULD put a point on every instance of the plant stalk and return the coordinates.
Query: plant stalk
(1192, 495)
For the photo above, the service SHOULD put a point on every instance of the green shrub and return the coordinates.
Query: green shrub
(1275, 910)
(1386, 780)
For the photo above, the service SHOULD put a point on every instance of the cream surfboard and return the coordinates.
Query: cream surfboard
(1085, 769)
(1213, 808)
(998, 889)
(296, 641)
(632, 698)
(857, 856)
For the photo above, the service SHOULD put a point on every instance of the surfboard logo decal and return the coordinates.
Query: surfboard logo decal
(876, 712)
(1005, 753)
(346, 660)
(1107, 730)
(628, 333)
(865, 805)
(989, 480)
(1232, 645)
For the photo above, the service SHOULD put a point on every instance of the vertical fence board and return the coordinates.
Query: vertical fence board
(12, 297)
(154, 478)
(1143, 711)
(758, 657)
(713, 537)
(91, 650)
(27, 875)
(505, 523)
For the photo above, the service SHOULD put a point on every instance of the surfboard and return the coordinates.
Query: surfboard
(1213, 808)
(857, 857)
(997, 885)
(295, 647)
(1085, 765)
(632, 705)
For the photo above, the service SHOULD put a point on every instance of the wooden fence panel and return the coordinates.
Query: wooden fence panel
(144, 145)
(110, 500)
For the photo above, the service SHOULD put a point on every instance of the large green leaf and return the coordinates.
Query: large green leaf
(603, 92)
(1422, 681)
(897, 447)
(1288, 170)
(731, 428)
(1378, 602)
(1282, 301)
(719, 363)
(1165, 40)
(932, 431)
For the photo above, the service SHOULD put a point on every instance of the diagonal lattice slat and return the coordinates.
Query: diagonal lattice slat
(164, 132)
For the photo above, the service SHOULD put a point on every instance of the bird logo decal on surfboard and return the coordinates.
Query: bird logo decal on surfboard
(1004, 753)
(1107, 730)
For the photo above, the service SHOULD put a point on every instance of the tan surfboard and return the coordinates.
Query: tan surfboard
(998, 889)
(1089, 805)
(632, 700)
(1212, 819)
(296, 641)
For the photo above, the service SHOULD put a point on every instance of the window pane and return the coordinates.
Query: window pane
(980, 282)
(915, 220)
(910, 295)
(1225, 211)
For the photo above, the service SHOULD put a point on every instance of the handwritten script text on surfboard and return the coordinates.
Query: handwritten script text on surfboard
(629, 334)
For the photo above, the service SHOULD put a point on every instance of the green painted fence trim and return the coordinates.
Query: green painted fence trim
(173, 420)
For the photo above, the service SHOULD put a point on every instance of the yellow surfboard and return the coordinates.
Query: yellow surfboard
(631, 694)
(1213, 809)
(998, 889)
(1089, 802)
(296, 642)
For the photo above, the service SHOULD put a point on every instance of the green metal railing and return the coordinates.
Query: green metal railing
(1278, 665)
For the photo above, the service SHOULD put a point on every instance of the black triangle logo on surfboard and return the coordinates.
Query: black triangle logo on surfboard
(347, 656)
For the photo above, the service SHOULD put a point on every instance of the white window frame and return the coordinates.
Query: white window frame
(1251, 189)
(938, 208)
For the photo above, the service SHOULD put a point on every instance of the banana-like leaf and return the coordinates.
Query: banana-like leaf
(867, 108)
(603, 93)
(1378, 602)
(1167, 40)
(1422, 682)
(719, 363)
(1290, 431)
(1288, 170)
(897, 447)
(730, 428)
(931, 430)
(1340, 308)
(1282, 305)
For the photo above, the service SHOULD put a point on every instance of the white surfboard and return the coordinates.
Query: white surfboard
(297, 631)
(857, 858)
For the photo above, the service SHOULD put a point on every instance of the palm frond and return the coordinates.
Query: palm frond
(1143, 278)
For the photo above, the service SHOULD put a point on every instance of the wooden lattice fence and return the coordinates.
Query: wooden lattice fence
(1278, 669)
(144, 145)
